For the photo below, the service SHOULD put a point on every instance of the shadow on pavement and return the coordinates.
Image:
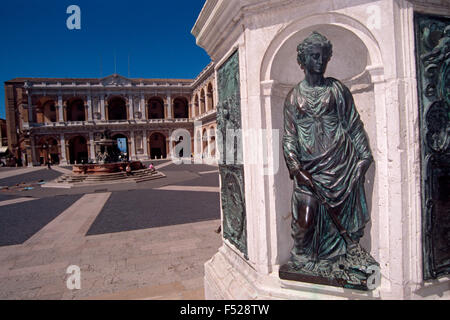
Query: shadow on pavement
(126, 211)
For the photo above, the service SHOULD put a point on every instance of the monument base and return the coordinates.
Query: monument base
(354, 271)
(230, 277)
(288, 273)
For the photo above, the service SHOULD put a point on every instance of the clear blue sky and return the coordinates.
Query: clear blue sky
(155, 34)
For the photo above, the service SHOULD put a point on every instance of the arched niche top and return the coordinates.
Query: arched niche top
(355, 49)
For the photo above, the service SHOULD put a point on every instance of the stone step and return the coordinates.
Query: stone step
(79, 180)
(149, 177)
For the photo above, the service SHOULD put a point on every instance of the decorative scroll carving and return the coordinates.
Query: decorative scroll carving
(231, 170)
(433, 66)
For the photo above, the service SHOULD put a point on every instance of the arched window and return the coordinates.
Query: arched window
(76, 110)
(204, 143)
(117, 109)
(155, 108)
(158, 146)
(202, 102)
(180, 108)
(212, 141)
(197, 105)
(210, 97)
(49, 110)
(78, 150)
(122, 144)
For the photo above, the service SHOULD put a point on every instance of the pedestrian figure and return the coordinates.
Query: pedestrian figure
(128, 170)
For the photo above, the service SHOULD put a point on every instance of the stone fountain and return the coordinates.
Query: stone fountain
(108, 159)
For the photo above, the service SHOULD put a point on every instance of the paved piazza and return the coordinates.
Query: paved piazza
(131, 241)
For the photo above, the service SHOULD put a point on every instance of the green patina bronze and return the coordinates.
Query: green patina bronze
(230, 167)
(433, 76)
(327, 153)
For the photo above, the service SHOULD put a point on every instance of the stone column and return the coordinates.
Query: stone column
(62, 143)
(60, 109)
(169, 146)
(34, 159)
(143, 108)
(144, 141)
(190, 110)
(130, 108)
(89, 107)
(193, 108)
(133, 146)
(102, 107)
(91, 147)
(208, 142)
(30, 108)
(23, 120)
(202, 106)
(206, 102)
(169, 107)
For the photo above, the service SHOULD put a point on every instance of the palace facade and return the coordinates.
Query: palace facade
(61, 119)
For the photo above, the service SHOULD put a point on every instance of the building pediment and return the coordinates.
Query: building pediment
(115, 80)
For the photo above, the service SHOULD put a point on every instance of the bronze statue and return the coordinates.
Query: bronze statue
(327, 153)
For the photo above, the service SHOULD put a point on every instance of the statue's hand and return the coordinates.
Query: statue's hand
(304, 178)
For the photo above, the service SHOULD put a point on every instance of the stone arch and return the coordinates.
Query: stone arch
(78, 150)
(117, 108)
(210, 96)
(307, 24)
(122, 143)
(155, 108)
(197, 105)
(280, 72)
(48, 150)
(180, 108)
(202, 101)
(45, 111)
(204, 143)
(212, 141)
(158, 147)
(75, 109)
(49, 111)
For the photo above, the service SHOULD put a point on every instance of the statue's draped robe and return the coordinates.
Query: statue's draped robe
(323, 134)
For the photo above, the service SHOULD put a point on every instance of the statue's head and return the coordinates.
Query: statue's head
(314, 52)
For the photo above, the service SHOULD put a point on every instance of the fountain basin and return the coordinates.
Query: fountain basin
(98, 169)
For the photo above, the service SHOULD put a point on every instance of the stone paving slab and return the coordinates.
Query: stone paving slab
(140, 209)
(32, 176)
(190, 188)
(131, 270)
(6, 172)
(4, 196)
(207, 179)
(180, 290)
(14, 200)
(159, 262)
(20, 221)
